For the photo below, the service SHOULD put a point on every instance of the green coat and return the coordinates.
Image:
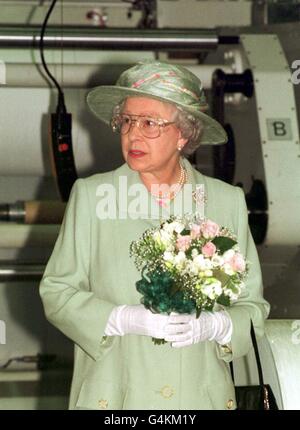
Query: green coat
(90, 272)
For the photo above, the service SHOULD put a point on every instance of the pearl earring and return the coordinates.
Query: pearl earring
(179, 148)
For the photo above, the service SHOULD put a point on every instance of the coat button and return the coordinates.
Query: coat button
(167, 391)
(103, 340)
(103, 404)
(226, 349)
(230, 404)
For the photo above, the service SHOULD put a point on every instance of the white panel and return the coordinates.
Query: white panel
(202, 14)
(275, 101)
(284, 339)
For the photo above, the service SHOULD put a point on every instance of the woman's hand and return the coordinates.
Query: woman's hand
(209, 326)
(136, 319)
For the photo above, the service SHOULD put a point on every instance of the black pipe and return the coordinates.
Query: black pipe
(21, 272)
(222, 83)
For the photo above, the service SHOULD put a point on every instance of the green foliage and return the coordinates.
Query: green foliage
(185, 232)
(223, 300)
(221, 276)
(223, 243)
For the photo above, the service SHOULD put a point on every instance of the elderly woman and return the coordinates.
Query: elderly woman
(88, 288)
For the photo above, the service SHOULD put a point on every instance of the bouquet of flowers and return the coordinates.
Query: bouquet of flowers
(188, 266)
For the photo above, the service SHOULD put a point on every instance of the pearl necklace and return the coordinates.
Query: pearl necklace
(164, 198)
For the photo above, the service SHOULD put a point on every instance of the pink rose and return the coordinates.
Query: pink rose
(208, 249)
(209, 229)
(237, 263)
(183, 243)
(196, 231)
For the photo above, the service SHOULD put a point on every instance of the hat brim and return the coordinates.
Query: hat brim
(102, 100)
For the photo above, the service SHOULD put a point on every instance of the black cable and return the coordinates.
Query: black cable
(42, 360)
(61, 99)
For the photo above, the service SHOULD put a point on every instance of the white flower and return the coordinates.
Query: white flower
(199, 261)
(217, 261)
(203, 263)
(218, 288)
(208, 291)
(166, 237)
(192, 268)
(228, 255)
(156, 237)
(208, 264)
(178, 226)
(180, 256)
(212, 288)
(228, 270)
(194, 252)
(180, 259)
(229, 293)
(170, 247)
(208, 273)
(168, 256)
(169, 228)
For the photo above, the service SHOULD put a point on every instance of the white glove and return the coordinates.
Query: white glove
(136, 319)
(209, 326)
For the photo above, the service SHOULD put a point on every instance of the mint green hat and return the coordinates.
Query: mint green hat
(162, 81)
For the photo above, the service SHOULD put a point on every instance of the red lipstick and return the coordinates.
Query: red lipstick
(135, 153)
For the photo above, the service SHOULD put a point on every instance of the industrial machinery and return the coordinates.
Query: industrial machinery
(247, 55)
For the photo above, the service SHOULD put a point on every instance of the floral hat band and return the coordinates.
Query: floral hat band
(163, 83)
(166, 82)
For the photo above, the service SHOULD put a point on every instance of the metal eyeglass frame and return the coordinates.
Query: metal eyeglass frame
(158, 121)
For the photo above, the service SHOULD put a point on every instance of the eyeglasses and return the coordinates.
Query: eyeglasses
(148, 126)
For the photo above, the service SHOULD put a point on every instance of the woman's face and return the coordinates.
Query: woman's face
(147, 154)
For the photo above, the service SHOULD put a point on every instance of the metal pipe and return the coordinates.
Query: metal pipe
(10, 272)
(151, 40)
(33, 212)
(69, 3)
(14, 212)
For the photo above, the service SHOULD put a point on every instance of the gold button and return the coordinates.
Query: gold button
(167, 391)
(226, 349)
(103, 340)
(230, 404)
(103, 404)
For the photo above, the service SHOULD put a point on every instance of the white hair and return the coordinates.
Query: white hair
(191, 129)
